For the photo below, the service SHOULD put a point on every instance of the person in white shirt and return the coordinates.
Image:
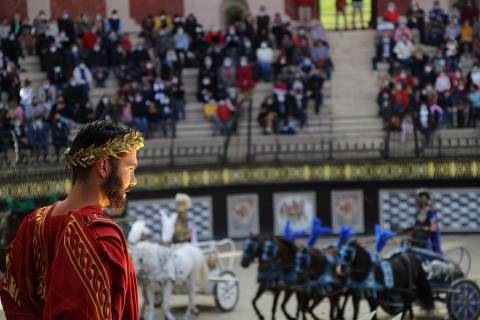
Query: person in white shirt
(265, 59)
(404, 50)
(83, 77)
(442, 83)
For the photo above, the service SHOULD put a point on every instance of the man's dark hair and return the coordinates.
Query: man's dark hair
(94, 133)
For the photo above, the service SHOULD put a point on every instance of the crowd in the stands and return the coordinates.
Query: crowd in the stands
(433, 73)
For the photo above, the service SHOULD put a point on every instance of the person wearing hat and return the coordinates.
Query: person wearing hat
(427, 229)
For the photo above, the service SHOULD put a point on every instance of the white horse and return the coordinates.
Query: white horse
(159, 265)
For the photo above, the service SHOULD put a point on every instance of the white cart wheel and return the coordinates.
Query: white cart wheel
(226, 292)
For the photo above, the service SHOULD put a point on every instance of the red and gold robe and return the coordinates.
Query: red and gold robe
(73, 266)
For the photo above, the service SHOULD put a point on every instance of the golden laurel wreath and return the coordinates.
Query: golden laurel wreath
(110, 149)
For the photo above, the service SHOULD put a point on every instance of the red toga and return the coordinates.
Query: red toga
(73, 266)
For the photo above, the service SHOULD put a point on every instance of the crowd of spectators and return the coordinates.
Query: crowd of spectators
(296, 60)
(79, 54)
(424, 91)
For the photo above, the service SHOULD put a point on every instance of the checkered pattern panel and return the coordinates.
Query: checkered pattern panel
(200, 213)
(458, 209)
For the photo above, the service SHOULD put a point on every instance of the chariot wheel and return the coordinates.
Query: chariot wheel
(464, 301)
(226, 292)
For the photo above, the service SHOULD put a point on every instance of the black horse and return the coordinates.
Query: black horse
(275, 273)
(317, 278)
(370, 279)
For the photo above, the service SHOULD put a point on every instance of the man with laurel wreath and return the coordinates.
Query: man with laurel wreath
(69, 260)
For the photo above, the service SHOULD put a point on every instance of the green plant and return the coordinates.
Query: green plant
(234, 13)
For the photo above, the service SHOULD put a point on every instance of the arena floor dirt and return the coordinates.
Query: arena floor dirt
(248, 286)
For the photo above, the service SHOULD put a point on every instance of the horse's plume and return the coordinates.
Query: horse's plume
(382, 237)
(346, 233)
(317, 231)
(290, 235)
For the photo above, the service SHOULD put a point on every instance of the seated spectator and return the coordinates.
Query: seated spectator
(469, 12)
(245, 81)
(265, 60)
(384, 52)
(209, 108)
(227, 76)
(391, 15)
(474, 106)
(268, 115)
(83, 78)
(402, 31)
(224, 117)
(321, 57)
(466, 42)
(98, 64)
(452, 30)
(181, 43)
(59, 131)
(404, 50)
(178, 98)
(38, 138)
(416, 19)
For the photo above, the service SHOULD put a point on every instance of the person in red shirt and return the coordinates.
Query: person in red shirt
(391, 15)
(70, 260)
(305, 12)
(469, 12)
(340, 6)
(245, 81)
(90, 38)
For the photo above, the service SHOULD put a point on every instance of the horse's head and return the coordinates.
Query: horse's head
(269, 255)
(144, 257)
(252, 248)
(138, 232)
(352, 257)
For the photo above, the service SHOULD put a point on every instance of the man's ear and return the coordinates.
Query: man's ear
(103, 168)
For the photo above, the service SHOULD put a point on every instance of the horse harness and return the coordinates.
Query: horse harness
(274, 276)
(370, 287)
(326, 281)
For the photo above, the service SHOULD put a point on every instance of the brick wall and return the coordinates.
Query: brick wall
(9, 7)
(139, 9)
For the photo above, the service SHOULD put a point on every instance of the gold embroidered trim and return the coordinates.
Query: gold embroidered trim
(40, 251)
(9, 284)
(110, 149)
(89, 268)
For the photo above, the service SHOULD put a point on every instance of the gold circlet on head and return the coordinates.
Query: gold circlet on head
(110, 149)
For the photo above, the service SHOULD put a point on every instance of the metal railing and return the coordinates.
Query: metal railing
(276, 149)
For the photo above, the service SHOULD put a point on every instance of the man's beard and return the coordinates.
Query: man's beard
(113, 190)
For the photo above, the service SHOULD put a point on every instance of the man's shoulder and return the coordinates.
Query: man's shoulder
(100, 225)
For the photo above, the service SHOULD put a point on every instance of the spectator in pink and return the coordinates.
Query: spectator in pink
(401, 31)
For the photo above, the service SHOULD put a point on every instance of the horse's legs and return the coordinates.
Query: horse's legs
(301, 296)
(260, 291)
(334, 300)
(150, 297)
(317, 298)
(167, 294)
(288, 294)
(276, 294)
(341, 309)
(408, 307)
(373, 306)
(356, 302)
(191, 297)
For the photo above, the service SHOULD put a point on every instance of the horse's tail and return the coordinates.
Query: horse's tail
(424, 291)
